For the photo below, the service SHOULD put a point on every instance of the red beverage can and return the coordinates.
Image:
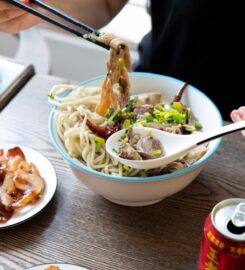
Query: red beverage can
(223, 240)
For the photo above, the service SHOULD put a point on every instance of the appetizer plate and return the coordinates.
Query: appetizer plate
(47, 171)
(62, 266)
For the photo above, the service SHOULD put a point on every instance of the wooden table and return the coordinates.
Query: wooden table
(82, 228)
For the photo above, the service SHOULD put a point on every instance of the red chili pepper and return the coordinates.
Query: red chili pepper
(178, 96)
(101, 131)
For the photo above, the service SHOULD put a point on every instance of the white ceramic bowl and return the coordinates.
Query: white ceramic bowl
(139, 191)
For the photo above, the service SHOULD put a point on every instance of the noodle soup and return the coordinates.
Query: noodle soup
(84, 149)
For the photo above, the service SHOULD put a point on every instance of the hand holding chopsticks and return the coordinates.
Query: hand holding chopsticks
(87, 32)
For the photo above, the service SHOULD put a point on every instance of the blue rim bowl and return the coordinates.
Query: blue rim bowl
(56, 141)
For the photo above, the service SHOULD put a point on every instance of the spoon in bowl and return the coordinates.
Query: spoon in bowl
(174, 145)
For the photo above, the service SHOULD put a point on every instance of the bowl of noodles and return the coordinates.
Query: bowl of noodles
(79, 133)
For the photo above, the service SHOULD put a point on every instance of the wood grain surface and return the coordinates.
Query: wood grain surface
(80, 227)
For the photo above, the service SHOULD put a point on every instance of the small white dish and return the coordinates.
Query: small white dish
(62, 266)
(47, 172)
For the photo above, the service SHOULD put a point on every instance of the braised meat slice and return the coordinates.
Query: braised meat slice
(149, 147)
(128, 152)
(133, 138)
(140, 147)
(153, 98)
(140, 110)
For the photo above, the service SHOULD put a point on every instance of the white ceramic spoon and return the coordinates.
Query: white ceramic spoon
(174, 145)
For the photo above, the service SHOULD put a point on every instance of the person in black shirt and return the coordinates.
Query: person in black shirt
(198, 41)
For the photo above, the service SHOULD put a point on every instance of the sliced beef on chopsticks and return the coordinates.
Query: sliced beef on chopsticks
(117, 66)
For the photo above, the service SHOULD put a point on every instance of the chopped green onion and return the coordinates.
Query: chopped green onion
(198, 125)
(99, 143)
(98, 147)
(140, 123)
(149, 117)
(115, 150)
(123, 136)
(109, 113)
(113, 115)
(159, 107)
(126, 168)
(99, 140)
(178, 106)
(156, 152)
(131, 102)
(124, 110)
(126, 123)
(170, 116)
(118, 116)
(51, 96)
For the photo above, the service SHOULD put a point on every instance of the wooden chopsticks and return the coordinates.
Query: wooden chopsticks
(88, 33)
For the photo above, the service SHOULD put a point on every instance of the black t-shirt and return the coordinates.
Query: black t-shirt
(201, 42)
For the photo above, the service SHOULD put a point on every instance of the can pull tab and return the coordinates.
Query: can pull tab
(238, 216)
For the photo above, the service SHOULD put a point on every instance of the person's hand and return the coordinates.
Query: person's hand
(238, 115)
(13, 19)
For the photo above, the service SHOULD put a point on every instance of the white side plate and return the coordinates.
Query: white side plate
(47, 172)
